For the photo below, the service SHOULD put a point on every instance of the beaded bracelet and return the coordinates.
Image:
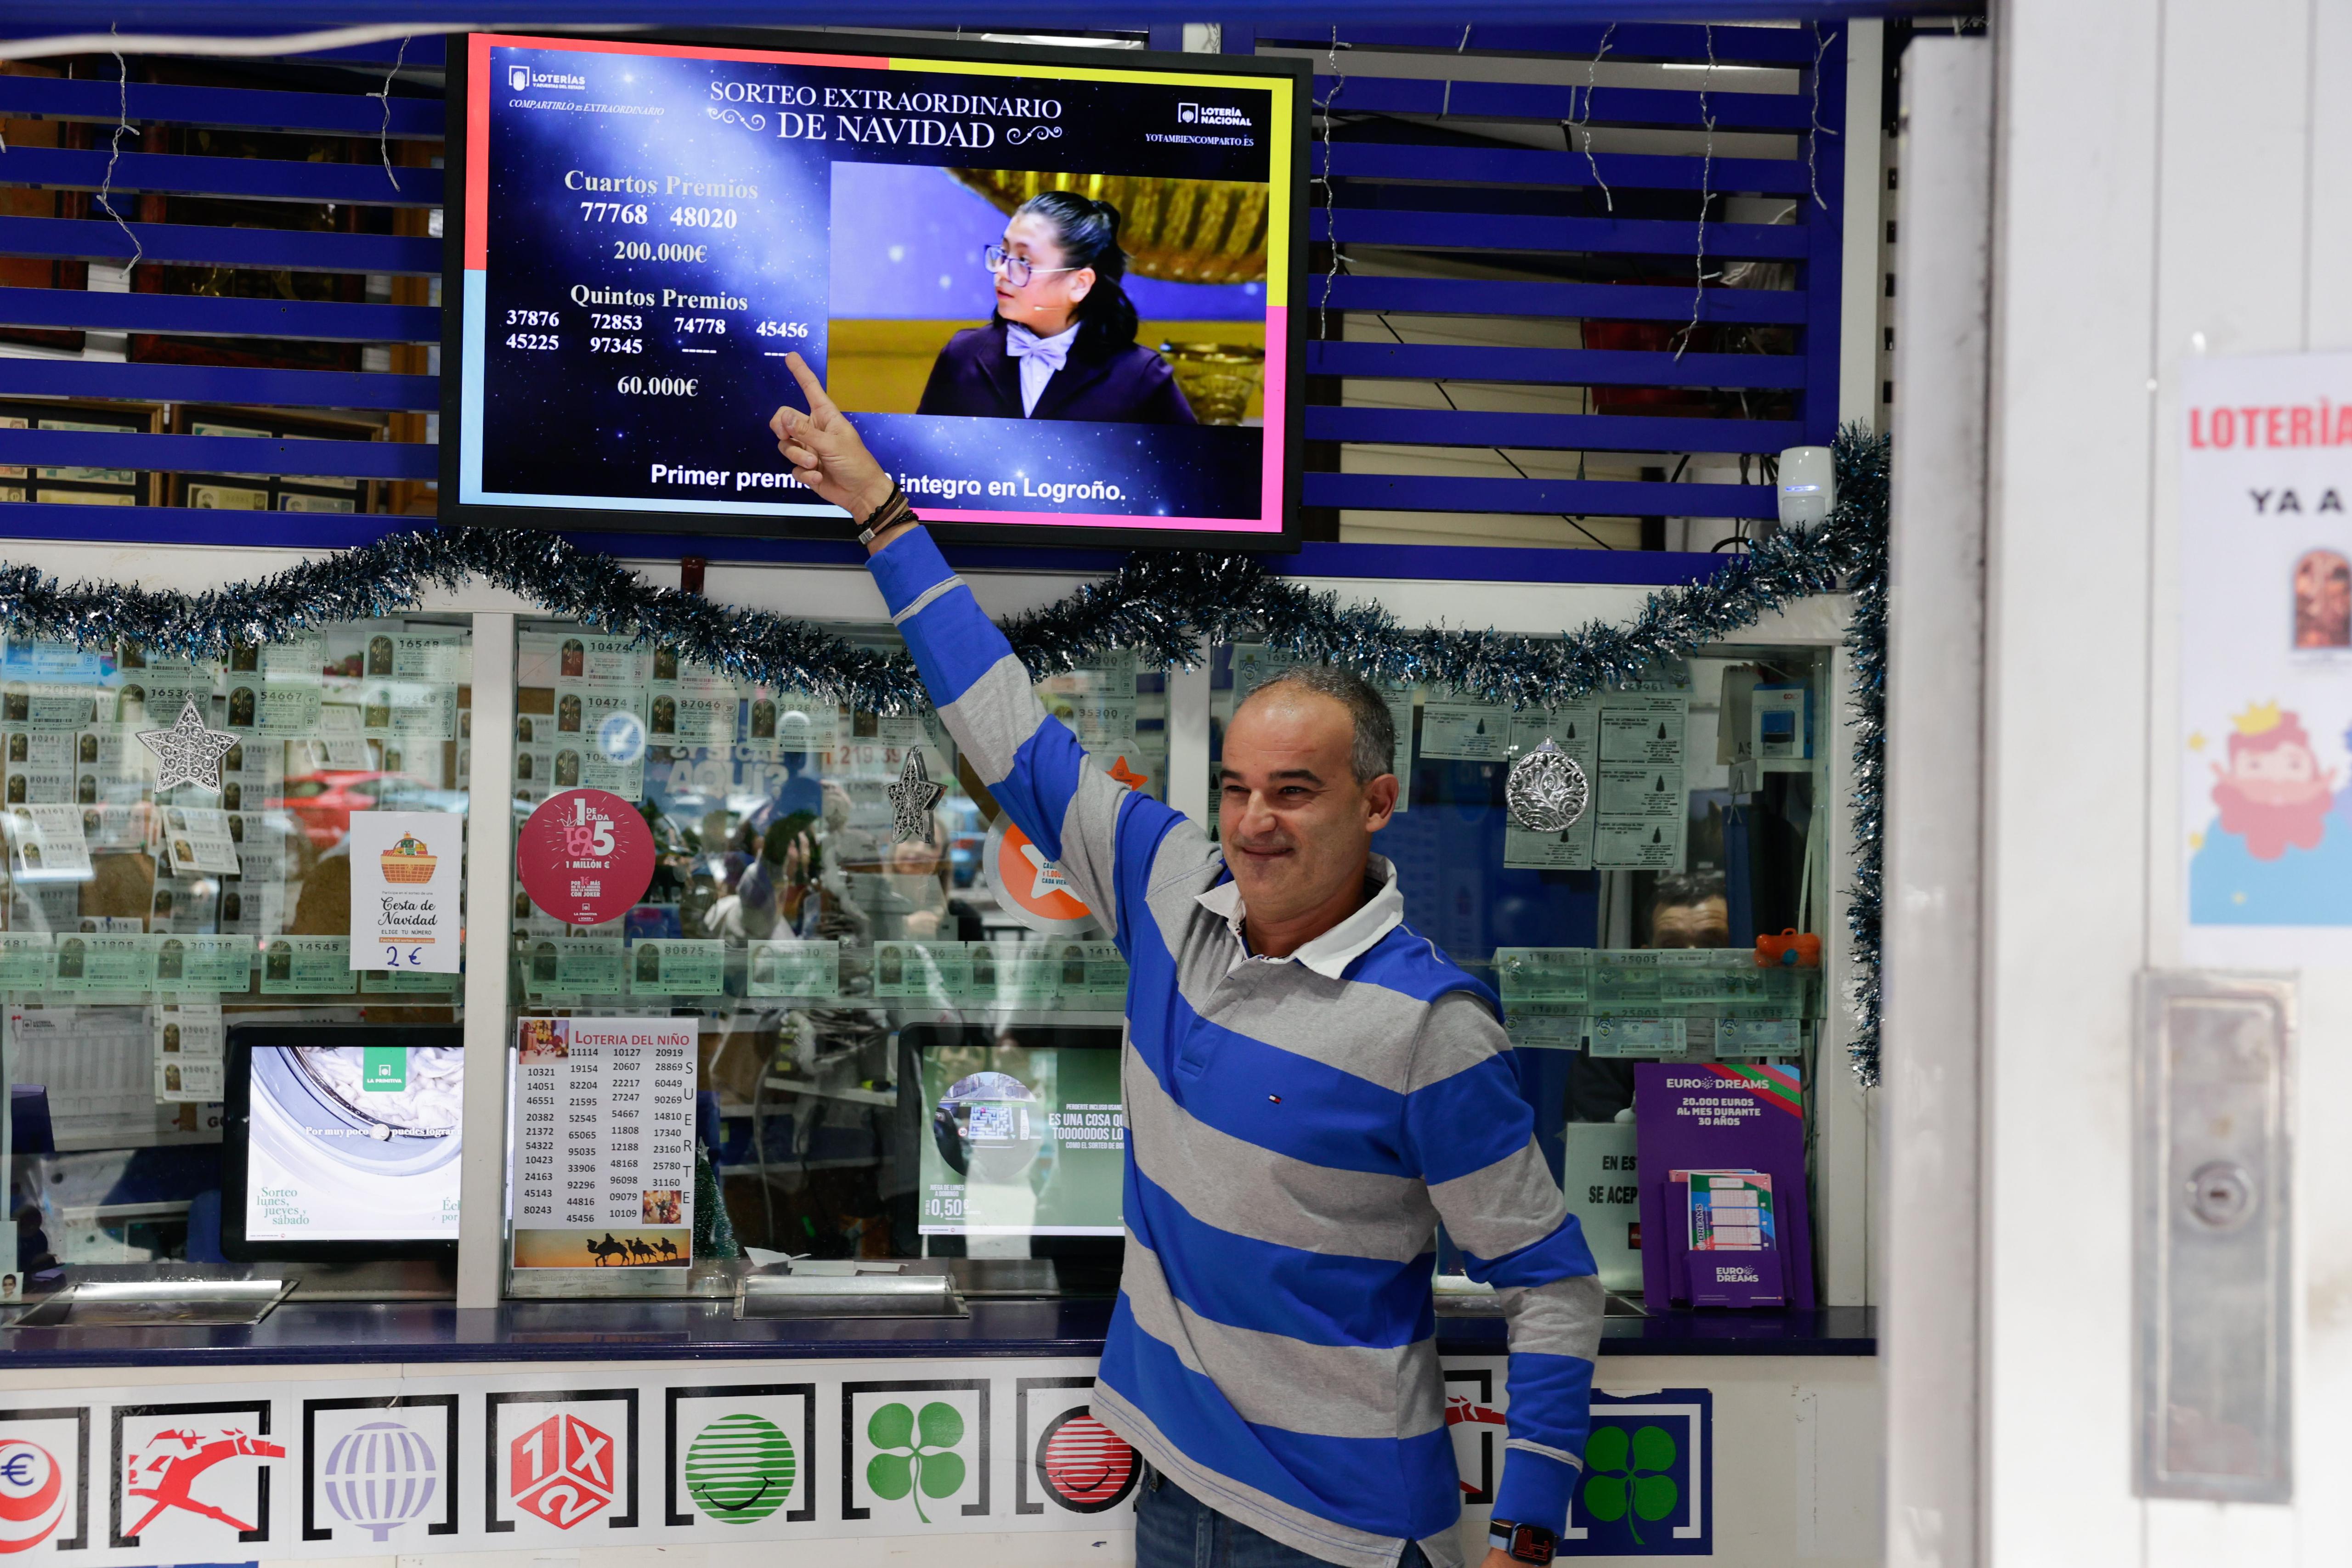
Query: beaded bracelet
(895, 509)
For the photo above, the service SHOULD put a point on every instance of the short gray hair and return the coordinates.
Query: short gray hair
(1374, 750)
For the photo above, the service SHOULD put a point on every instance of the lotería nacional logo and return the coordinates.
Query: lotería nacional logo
(1212, 114)
(561, 1470)
(1084, 1465)
(381, 1476)
(741, 1468)
(32, 1494)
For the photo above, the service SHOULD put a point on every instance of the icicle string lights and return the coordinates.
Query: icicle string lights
(383, 136)
(1706, 191)
(113, 156)
(1813, 142)
(1330, 191)
(1584, 126)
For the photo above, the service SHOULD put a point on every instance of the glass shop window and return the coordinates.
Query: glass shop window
(163, 889)
(1631, 936)
(905, 1034)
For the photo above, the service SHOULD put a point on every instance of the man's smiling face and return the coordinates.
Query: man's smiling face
(1296, 825)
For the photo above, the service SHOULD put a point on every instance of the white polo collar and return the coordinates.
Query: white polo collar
(1329, 953)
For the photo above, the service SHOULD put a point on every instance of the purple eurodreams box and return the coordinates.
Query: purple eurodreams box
(1710, 1117)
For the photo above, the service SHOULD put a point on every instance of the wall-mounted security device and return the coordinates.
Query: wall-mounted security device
(1808, 485)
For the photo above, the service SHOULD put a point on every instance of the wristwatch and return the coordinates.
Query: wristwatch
(1522, 1542)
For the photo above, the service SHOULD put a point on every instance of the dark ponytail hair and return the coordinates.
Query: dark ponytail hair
(1086, 232)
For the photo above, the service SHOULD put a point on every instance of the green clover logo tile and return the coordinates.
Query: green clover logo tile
(914, 1454)
(1625, 1478)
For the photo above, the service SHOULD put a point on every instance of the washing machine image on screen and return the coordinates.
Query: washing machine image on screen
(353, 1143)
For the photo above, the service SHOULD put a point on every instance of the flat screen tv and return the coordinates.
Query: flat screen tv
(642, 229)
(341, 1143)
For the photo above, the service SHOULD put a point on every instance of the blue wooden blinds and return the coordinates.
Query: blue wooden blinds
(1495, 174)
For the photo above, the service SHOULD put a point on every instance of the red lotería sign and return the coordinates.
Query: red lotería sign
(585, 856)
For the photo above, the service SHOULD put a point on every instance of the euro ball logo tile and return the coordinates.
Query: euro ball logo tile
(43, 1480)
(32, 1494)
(561, 1470)
(741, 1468)
(1647, 1488)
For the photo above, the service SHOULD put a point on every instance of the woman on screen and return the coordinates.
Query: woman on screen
(1062, 343)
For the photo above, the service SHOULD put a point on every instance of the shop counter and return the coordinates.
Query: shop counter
(355, 1334)
(600, 1431)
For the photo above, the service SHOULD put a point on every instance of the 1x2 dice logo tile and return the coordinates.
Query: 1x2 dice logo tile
(563, 1469)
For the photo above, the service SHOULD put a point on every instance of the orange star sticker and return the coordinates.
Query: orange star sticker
(1128, 775)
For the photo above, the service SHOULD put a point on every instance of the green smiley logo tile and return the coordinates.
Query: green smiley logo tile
(741, 1468)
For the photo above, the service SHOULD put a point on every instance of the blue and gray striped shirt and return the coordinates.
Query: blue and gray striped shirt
(1293, 1139)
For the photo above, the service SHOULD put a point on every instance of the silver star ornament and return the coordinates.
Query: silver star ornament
(188, 753)
(912, 798)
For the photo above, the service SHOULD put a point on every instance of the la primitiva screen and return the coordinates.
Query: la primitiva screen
(1047, 294)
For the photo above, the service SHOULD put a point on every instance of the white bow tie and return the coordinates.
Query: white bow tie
(1039, 359)
(1023, 344)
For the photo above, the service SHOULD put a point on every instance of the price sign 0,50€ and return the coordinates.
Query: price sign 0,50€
(585, 856)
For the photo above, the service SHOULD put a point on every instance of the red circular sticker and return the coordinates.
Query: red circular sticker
(585, 856)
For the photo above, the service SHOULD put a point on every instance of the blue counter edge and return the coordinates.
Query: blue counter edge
(24, 521)
(362, 1333)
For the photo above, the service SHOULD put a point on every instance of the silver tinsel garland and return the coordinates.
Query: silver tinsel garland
(1160, 605)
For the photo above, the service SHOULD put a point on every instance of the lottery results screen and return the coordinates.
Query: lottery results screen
(645, 230)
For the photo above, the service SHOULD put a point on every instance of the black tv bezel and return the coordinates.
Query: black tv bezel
(237, 1131)
(1085, 1256)
(1275, 68)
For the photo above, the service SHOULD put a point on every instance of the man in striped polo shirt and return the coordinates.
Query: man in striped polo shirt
(1310, 1088)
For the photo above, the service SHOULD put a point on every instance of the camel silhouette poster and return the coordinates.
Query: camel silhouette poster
(603, 1145)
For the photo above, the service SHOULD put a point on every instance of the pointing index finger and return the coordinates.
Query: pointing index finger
(813, 389)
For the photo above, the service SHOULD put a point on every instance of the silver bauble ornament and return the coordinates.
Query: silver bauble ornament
(1547, 791)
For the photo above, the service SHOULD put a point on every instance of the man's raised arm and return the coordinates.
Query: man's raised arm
(1029, 760)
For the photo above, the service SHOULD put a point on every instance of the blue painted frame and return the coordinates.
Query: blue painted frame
(1500, 193)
